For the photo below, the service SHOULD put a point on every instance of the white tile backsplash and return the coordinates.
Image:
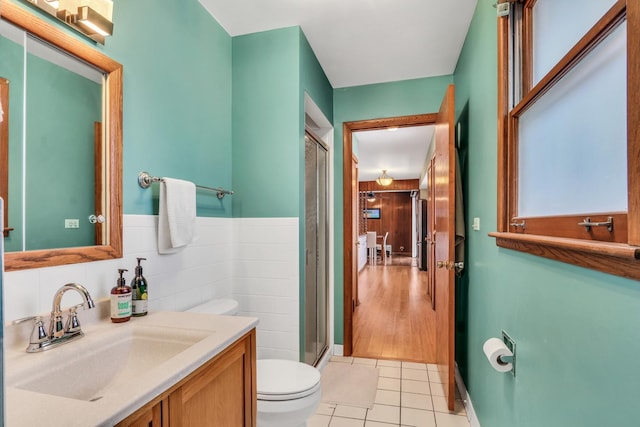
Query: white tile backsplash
(254, 260)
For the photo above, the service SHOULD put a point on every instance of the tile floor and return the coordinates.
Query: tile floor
(409, 395)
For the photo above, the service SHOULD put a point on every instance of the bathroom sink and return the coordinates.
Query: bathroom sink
(102, 362)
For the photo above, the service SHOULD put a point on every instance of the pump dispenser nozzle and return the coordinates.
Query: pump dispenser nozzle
(121, 281)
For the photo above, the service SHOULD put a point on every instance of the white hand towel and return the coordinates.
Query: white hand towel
(176, 215)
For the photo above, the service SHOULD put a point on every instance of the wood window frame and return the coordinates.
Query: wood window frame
(616, 253)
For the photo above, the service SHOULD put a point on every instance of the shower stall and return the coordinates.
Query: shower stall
(316, 293)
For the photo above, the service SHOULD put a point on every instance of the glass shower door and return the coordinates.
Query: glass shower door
(316, 235)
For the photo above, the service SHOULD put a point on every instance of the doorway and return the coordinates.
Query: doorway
(351, 208)
(442, 209)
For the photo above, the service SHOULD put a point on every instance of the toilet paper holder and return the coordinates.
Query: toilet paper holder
(511, 345)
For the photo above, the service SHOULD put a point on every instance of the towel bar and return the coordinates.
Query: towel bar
(145, 180)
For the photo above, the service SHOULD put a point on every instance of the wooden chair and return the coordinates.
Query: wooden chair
(371, 246)
(381, 249)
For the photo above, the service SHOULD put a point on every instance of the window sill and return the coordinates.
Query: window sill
(614, 258)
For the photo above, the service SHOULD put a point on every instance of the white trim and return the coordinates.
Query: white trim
(338, 350)
(466, 399)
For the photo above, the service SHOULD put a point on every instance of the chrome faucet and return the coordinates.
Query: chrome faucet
(59, 333)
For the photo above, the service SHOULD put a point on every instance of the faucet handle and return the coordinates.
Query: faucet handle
(73, 324)
(38, 334)
(26, 319)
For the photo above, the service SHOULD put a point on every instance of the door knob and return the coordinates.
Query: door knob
(445, 264)
(96, 219)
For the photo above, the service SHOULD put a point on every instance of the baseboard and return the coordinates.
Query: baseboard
(471, 413)
(338, 350)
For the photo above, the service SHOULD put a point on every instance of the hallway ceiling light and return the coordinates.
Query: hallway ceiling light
(384, 179)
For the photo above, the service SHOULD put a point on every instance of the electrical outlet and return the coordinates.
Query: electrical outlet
(71, 223)
(476, 224)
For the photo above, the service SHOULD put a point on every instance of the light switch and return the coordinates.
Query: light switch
(71, 223)
(476, 224)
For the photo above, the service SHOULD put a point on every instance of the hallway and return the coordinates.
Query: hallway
(394, 319)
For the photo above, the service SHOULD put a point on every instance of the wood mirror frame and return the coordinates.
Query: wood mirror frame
(112, 182)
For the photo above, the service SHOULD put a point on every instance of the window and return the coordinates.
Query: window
(569, 132)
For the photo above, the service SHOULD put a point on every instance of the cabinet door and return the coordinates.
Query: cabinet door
(219, 394)
(145, 417)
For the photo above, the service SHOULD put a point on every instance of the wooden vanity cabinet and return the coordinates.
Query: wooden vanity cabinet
(222, 392)
(146, 417)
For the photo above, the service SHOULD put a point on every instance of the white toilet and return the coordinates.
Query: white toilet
(288, 392)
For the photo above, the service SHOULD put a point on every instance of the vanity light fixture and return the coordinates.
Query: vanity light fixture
(93, 23)
(93, 18)
(371, 197)
(384, 179)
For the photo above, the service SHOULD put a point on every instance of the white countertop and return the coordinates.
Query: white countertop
(28, 408)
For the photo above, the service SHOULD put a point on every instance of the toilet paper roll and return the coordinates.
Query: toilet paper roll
(494, 348)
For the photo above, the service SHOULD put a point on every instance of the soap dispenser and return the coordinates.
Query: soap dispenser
(121, 300)
(139, 287)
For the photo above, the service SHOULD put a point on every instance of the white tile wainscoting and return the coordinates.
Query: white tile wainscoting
(253, 260)
(265, 282)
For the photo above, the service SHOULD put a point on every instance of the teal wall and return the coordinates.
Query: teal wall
(60, 100)
(376, 101)
(576, 330)
(12, 68)
(313, 80)
(272, 71)
(62, 107)
(266, 132)
(177, 100)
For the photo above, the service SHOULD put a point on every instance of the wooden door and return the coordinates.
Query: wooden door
(430, 239)
(444, 204)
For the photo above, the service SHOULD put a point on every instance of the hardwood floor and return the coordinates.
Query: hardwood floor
(394, 319)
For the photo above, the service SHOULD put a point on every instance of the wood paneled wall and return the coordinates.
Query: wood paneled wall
(396, 185)
(395, 212)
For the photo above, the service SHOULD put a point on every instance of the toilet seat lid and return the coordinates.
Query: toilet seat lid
(285, 379)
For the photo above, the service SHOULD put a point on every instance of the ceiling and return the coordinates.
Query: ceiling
(402, 153)
(361, 42)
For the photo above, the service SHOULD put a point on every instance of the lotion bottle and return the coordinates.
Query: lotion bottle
(139, 287)
(121, 300)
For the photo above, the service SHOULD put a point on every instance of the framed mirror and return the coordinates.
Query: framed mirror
(90, 170)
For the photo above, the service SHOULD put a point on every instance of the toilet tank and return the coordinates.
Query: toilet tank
(224, 306)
